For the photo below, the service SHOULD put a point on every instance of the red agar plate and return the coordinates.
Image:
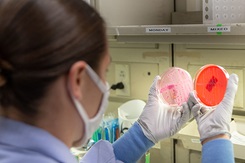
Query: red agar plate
(175, 86)
(210, 84)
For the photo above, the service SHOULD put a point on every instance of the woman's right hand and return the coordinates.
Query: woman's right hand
(213, 122)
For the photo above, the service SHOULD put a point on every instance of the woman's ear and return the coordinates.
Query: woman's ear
(74, 78)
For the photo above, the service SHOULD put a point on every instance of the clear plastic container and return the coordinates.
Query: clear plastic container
(210, 84)
(175, 86)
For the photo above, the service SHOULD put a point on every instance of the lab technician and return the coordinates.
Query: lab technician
(53, 91)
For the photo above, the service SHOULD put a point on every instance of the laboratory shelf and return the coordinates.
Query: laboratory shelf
(191, 33)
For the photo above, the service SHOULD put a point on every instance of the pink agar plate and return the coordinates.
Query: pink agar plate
(175, 86)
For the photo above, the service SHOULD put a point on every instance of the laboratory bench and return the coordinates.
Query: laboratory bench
(188, 147)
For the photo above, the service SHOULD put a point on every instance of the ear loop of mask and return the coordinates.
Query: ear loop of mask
(104, 87)
(92, 124)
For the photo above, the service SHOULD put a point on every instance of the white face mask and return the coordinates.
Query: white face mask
(92, 124)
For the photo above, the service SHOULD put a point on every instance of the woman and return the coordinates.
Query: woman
(53, 91)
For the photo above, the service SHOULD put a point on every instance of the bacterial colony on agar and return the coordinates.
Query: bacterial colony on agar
(210, 84)
(175, 86)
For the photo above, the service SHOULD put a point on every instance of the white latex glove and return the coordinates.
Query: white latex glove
(213, 121)
(158, 120)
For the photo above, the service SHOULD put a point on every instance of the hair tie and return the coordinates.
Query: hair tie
(5, 65)
(2, 80)
(4, 68)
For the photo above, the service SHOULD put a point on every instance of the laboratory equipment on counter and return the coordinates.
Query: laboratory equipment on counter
(175, 86)
(128, 113)
(108, 129)
(210, 84)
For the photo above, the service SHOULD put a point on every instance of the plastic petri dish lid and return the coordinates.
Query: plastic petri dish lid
(210, 84)
(175, 86)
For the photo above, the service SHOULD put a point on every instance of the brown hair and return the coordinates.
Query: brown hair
(39, 41)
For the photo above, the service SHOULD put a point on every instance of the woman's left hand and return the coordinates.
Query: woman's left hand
(158, 120)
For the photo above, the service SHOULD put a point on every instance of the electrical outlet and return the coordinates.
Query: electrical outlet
(122, 75)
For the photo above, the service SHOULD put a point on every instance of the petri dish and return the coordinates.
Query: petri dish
(210, 84)
(175, 86)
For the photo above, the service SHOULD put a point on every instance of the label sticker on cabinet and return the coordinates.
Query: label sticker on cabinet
(219, 29)
(158, 30)
(195, 141)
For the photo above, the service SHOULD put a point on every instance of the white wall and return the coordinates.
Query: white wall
(136, 12)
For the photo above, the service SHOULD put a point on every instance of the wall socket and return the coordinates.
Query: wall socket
(122, 75)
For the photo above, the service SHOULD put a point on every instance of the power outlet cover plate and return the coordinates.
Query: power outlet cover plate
(122, 75)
